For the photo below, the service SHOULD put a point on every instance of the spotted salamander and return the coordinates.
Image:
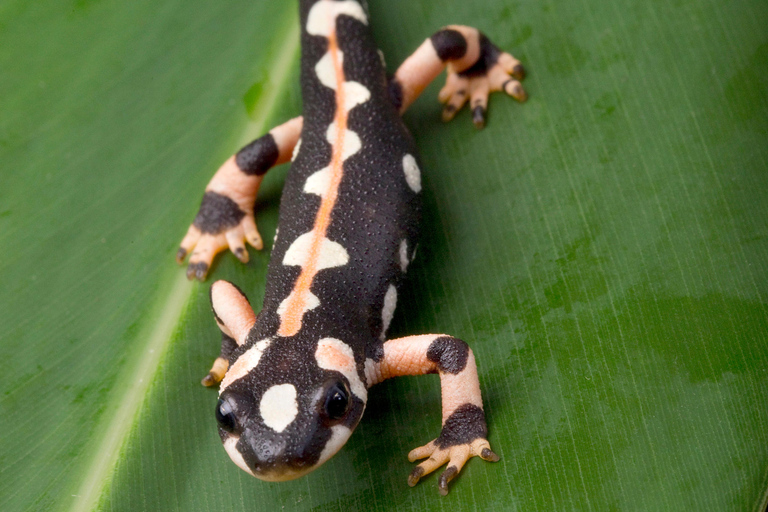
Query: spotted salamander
(294, 379)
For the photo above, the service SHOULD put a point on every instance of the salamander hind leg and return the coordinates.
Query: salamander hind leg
(476, 67)
(225, 218)
(464, 432)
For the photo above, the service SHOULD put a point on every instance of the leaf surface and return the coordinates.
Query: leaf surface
(602, 248)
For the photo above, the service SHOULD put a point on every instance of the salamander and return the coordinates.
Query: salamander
(293, 380)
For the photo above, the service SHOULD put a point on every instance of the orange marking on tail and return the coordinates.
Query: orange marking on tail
(290, 323)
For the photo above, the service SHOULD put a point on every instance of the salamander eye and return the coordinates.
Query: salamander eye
(336, 401)
(225, 416)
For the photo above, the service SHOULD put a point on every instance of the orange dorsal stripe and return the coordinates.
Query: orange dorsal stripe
(290, 323)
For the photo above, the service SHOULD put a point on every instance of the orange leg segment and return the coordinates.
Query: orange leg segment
(225, 218)
(464, 429)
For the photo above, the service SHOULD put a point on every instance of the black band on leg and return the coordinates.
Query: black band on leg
(450, 354)
(489, 55)
(449, 44)
(259, 156)
(217, 213)
(466, 424)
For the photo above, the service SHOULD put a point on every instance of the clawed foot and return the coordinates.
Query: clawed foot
(220, 367)
(494, 71)
(455, 456)
(219, 224)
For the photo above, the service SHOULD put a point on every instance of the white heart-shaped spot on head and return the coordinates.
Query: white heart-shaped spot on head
(279, 406)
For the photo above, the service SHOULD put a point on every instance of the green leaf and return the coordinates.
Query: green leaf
(602, 247)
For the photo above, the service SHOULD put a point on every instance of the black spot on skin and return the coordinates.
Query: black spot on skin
(395, 90)
(450, 108)
(489, 56)
(181, 254)
(259, 156)
(518, 72)
(217, 213)
(466, 424)
(450, 354)
(449, 44)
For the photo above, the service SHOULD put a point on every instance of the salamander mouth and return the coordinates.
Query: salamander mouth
(274, 444)
(283, 475)
(275, 469)
(271, 459)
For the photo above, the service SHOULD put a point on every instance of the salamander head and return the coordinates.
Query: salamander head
(289, 413)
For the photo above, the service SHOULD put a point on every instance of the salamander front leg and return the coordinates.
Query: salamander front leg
(225, 218)
(476, 67)
(464, 432)
(235, 317)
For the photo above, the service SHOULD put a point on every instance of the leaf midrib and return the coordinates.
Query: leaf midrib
(172, 308)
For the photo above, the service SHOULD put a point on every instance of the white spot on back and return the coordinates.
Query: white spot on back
(278, 406)
(388, 311)
(231, 446)
(351, 142)
(404, 255)
(412, 173)
(310, 302)
(319, 182)
(321, 20)
(331, 254)
(334, 354)
(325, 71)
(355, 93)
(247, 361)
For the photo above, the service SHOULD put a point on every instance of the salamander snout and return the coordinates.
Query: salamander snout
(284, 434)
